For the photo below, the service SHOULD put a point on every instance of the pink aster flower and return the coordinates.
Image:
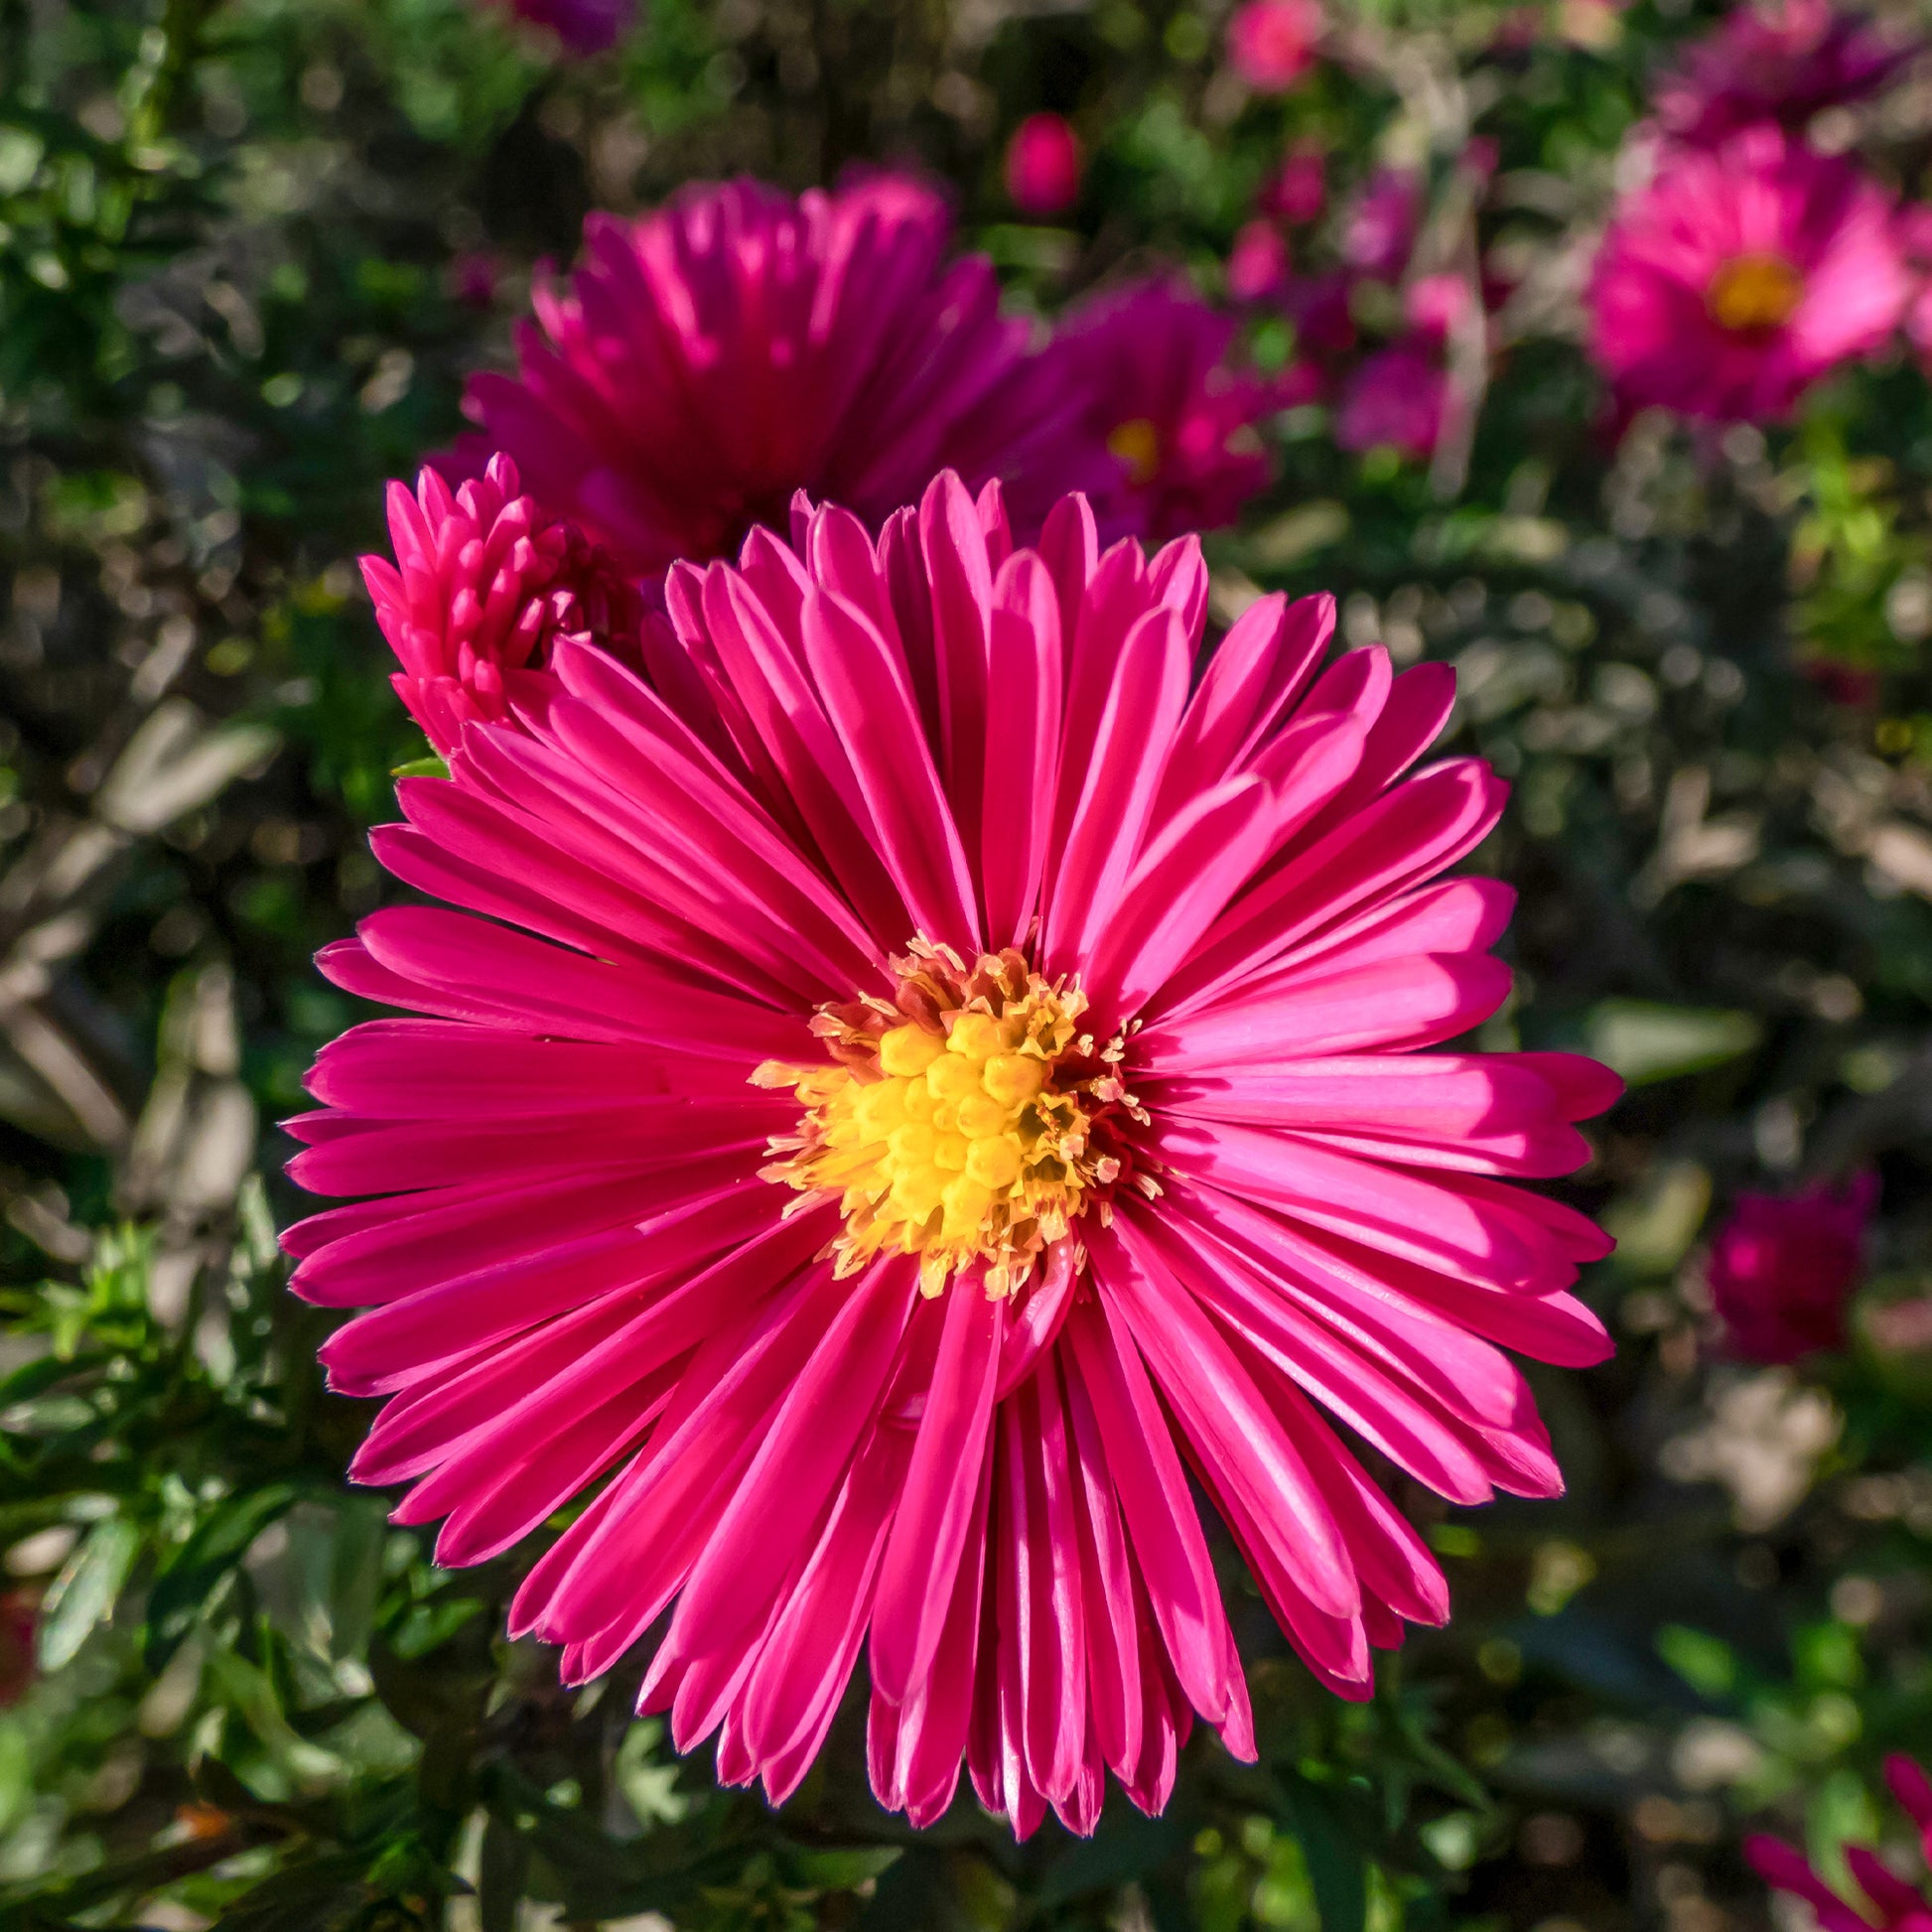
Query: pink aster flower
(584, 27)
(903, 1093)
(1394, 399)
(1890, 1903)
(1176, 414)
(1378, 227)
(1043, 166)
(1783, 1268)
(1783, 61)
(736, 346)
(483, 585)
(1272, 42)
(1297, 191)
(1739, 276)
(1258, 261)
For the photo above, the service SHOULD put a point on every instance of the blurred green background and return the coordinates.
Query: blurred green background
(247, 253)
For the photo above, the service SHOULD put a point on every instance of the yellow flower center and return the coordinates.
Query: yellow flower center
(1137, 445)
(1754, 292)
(958, 1124)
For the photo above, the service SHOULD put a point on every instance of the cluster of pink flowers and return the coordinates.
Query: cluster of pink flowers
(710, 361)
(913, 1062)
(1750, 264)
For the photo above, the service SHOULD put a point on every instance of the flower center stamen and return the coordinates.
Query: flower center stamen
(1754, 291)
(958, 1124)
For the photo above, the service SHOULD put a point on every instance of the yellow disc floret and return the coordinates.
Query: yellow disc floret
(956, 1125)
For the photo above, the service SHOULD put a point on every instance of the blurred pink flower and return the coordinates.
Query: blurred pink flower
(1317, 306)
(1297, 191)
(1783, 61)
(584, 27)
(1890, 1903)
(1272, 42)
(471, 278)
(1740, 275)
(759, 1172)
(19, 1621)
(1914, 231)
(1436, 304)
(1043, 166)
(1784, 1266)
(1394, 399)
(1378, 228)
(1171, 409)
(483, 585)
(1258, 261)
(710, 361)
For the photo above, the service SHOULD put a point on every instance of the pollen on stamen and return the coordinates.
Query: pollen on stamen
(970, 1124)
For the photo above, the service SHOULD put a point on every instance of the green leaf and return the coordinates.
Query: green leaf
(421, 768)
(85, 1591)
(1645, 1042)
(1337, 1869)
(218, 1544)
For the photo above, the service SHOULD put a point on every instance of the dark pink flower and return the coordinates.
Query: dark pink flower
(1890, 1903)
(1272, 42)
(471, 278)
(1436, 305)
(912, 1091)
(1378, 228)
(1319, 307)
(1258, 261)
(1394, 399)
(1043, 166)
(710, 361)
(1297, 191)
(1176, 415)
(483, 585)
(1783, 1268)
(19, 1622)
(1740, 275)
(1781, 62)
(584, 27)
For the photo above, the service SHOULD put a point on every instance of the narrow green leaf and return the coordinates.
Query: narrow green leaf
(85, 1591)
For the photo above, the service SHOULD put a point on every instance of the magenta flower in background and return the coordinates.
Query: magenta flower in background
(471, 278)
(1378, 227)
(1319, 307)
(483, 585)
(1742, 274)
(1297, 191)
(584, 27)
(1258, 261)
(1043, 166)
(934, 1076)
(1890, 1903)
(1272, 42)
(1174, 413)
(1394, 399)
(708, 361)
(1783, 1268)
(1783, 61)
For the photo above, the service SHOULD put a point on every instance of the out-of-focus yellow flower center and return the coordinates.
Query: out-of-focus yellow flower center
(1754, 291)
(947, 1137)
(1137, 445)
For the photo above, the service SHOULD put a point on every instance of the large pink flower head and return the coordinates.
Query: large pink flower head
(1739, 276)
(740, 345)
(1272, 44)
(892, 1098)
(1890, 1903)
(1783, 1268)
(1170, 407)
(1784, 62)
(483, 584)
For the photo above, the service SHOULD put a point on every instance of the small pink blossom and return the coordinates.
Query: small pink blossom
(471, 278)
(1319, 307)
(1272, 42)
(1436, 304)
(1394, 399)
(1043, 166)
(1783, 1268)
(1784, 61)
(584, 27)
(1172, 408)
(1297, 191)
(483, 584)
(1378, 228)
(1258, 261)
(1740, 275)
(1890, 1903)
